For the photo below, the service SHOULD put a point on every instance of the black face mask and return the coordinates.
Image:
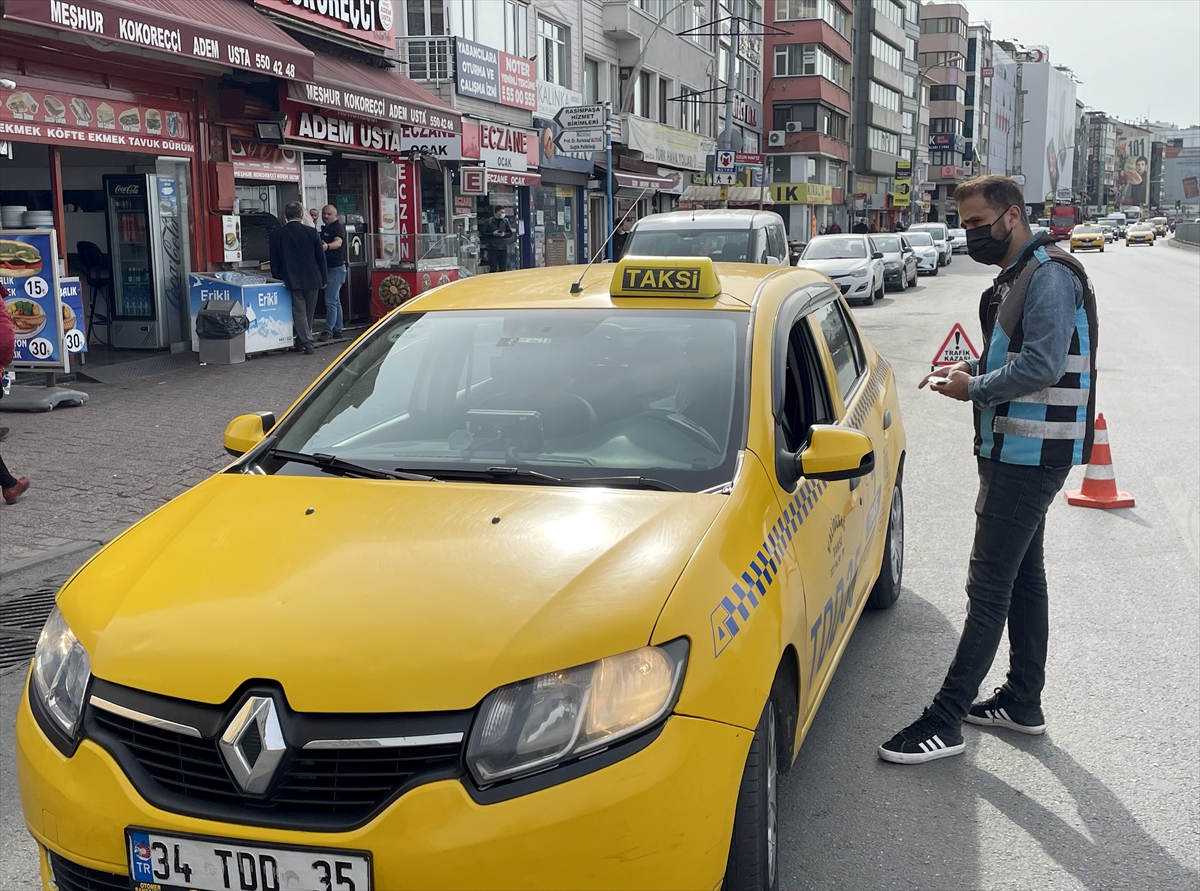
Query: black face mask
(983, 247)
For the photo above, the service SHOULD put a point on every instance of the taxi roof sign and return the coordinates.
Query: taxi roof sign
(692, 277)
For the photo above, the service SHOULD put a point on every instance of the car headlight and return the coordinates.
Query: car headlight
(892, 265)
(544, 721)
(859, 273)
(61, 671)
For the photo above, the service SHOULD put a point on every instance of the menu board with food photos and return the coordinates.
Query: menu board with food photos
(29, 272)
(63, 118)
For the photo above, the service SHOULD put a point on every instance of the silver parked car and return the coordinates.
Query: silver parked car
(958, 241)
(899, 260)
(928, 258)
(850, 261)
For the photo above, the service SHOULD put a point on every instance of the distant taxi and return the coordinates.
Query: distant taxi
(1139, 233)
(539, 585)
(1160, 226)
(1086, 237)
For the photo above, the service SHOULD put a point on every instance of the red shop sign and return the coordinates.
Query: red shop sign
(69, 117)
(408, 208)
(254, 160)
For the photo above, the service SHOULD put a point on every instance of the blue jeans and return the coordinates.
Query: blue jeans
(1006, 584)
(333, 299)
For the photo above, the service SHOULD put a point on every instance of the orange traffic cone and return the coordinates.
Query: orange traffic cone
(1099, 481)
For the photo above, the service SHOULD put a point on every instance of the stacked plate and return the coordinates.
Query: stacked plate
(10, 215)
(38, 219)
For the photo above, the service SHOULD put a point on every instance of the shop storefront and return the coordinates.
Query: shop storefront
(669, 157)
(509, 155)
(560, 205)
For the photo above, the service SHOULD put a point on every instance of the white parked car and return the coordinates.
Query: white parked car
(958, 241)
(728, 236)
(850, 260)
(928, 255)
(940, 233)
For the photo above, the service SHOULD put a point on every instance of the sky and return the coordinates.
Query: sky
(1136, 58)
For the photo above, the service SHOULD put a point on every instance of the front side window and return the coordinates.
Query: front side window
(573, 394)
(805, 390)
(844, 348)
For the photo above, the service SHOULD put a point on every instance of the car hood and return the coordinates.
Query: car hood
(364, 595)
(833, 267)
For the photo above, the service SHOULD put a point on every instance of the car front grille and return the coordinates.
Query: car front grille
(74, 877)
(321, 789)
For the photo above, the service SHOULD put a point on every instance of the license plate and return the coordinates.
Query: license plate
(202, 863)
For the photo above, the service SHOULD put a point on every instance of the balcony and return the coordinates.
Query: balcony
(886, 74)
(793, 87)
(884, 119)
(808, 31)
(813, 144)
(885, 28)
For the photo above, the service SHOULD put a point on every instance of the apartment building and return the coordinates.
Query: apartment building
(980, 70)
(906, 194)
(1002, 115)
(943, 56)
(808, 108)
(877, 90)
(1100, 177)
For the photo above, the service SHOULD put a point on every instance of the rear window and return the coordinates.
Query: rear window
(723, 245)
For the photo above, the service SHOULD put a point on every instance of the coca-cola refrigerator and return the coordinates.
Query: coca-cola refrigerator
(141, 208)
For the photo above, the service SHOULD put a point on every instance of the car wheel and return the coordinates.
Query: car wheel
(754, 850)
(903, 284)
(880, 292)
(1072, 249)
(887, 586)
(1102, 249)
(913, 282)
(935, 271)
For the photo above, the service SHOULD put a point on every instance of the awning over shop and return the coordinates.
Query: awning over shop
(738, 195)
(222, 32)
(370, 92)
(513, 178)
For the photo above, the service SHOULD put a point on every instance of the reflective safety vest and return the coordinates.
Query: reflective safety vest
(1054, 426)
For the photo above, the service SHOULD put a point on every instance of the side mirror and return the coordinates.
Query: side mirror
(836, 453)
(246, 431)
(878, 255)
(773, 261)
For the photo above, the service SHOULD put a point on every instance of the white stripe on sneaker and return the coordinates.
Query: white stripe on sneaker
(1005, 716)
(937, 741)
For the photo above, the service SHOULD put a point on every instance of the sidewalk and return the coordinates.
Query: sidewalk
(97, 468)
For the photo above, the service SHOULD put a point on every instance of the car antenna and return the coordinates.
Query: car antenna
(577, 286)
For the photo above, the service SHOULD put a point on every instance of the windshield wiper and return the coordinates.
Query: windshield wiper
(627, 482)
(338, 467)
(490, 474)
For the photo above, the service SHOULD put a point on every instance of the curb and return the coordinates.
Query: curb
(1183, 245)
(75, 547)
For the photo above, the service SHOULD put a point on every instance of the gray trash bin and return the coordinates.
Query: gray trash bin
(221, 329)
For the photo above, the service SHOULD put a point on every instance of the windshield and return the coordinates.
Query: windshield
(1062, 221)
(938, 233)
(888, 244)
(723, 245)
(958, 233)
(1141, 227)
(1087, 230)
(570, 393)
(919, 239)
(835, 249)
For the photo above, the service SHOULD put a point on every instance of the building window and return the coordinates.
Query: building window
(946, 125)
(591, 81)
(910, 86)
(553, 63)
(826, 10)
(909, 120)
(912, 10)
(664, 104)
(884, 98)
(944, 26)
(969, 122)
(882, 141)
(428, 59)
(641, 96)
(940, 60)
(516, 28)
(885, 52)
(890, 11)
(835, 174)
(689, 110)
(794, 59)
(947, 93)
(910, 51)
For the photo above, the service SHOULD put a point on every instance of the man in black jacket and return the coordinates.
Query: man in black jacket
(496, 232)
(298, 260)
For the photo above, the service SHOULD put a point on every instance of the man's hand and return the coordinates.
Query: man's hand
(955, 386)
(944, 372)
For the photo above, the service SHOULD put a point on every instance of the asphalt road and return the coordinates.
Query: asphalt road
(1110, 796)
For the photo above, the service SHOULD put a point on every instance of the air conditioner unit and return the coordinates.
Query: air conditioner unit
(776, 137)
(794, 127)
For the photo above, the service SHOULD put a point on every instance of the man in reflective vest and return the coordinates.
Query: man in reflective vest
(1033, 393)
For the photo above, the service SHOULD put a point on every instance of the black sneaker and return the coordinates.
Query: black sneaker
(308, 349)
(926, 739)
(325, 335)
(1000, 711)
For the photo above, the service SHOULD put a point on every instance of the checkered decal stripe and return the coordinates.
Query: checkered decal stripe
(735, 607)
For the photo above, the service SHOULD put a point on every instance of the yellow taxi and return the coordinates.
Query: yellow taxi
(539, 585)
(1160, 226)
(1140, 233)
(1086, 237)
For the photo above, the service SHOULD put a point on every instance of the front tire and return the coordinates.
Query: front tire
(754, 850)
(887, 586)
(903, 283)
(935, 271)
(913, 280)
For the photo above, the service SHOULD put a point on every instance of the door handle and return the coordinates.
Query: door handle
(887, 419)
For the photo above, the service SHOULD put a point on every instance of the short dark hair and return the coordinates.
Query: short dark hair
(294, 210)
(999, 193)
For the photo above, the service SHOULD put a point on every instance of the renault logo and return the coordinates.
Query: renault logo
(253, 744)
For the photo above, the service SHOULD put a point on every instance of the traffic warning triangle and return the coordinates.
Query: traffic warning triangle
(957, 347)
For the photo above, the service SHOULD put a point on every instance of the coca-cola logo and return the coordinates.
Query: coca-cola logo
(131, 189)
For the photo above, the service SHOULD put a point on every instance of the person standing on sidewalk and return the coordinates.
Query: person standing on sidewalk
(496, 232)
(1033, 392)
(298, 260)
(10, 486)
(333, 237)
